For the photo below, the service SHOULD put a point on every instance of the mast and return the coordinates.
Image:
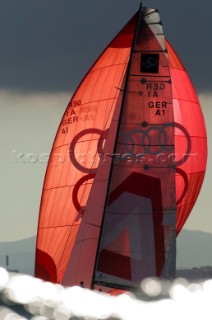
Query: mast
(138, 237)
(116, 139)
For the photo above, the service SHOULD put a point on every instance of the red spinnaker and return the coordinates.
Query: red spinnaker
(126, 166)
(190, 139)
(75, 155)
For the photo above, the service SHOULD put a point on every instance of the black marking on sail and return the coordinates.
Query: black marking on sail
(144, 80)
(150, 62)
(154, 23)
(148, 51)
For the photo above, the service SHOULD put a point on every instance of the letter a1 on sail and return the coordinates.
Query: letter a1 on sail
(134, 151)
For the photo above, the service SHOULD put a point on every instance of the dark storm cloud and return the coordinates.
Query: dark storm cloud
(48, 45)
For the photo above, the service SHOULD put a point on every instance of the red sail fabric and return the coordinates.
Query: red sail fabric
(76, 154)
(190, 139)
(73, 202)
(138, 237)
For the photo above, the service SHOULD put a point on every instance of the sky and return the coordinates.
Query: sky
(46, 47)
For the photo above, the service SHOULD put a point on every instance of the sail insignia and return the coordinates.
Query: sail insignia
(133, 234)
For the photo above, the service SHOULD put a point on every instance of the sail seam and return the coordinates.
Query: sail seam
(179, 99)
(93, 101)
(108, 66)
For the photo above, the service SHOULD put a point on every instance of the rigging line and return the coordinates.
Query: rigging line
(92, 224)
(68, 144)
(91, 101)
(184, 100)
(106, 122)
(119, 89)
(109, 65)
(83, 193)
(120, 83)
(86, 239)
(58, 227)
(64, 186)
(116, 139)
(114, 99)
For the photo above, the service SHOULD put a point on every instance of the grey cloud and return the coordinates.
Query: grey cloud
(48, 45)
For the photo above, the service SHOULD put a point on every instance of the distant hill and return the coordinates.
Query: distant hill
(21, 255)
(194, 249)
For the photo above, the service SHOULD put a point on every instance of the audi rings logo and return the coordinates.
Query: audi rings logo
(156, 140)
(151, 145)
